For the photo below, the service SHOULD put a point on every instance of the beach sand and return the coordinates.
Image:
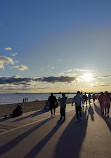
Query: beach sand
(7, 109)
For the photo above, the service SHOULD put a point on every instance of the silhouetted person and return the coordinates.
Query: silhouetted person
(52, 100)
(101, 101)
(17, 112)
(107, 103)
(78, 100)
(62, 106)
(85, 98)
(89, 97)
(94, 98)
(81, 94)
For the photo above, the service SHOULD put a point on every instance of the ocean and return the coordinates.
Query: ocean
(18, 98)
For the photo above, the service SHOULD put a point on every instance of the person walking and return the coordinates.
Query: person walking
(94, 97)
(89, 97)
(52, 101)
(101, 101)
(85, 98)
(62, 106)
(107, 103)
(78, 100)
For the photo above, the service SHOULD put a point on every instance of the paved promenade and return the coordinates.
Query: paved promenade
(36, 135)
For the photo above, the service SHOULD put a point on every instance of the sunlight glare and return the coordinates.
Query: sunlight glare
(87, 77)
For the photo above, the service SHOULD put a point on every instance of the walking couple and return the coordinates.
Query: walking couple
(53, 101)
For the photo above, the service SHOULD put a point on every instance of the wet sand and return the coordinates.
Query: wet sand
(27, 107)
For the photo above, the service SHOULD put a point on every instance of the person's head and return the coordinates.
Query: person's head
(106, 92)
(51, 94)
(63, 94)
(101, 93)
(78, 92)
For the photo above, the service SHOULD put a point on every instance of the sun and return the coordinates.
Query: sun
(87, 77)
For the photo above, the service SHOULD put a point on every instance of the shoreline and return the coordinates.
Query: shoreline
(7, 109)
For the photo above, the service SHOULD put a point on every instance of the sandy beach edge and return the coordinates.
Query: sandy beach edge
(7, 109)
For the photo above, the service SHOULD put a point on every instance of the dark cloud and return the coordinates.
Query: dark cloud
(58, 79)
(25, 81)
(14, 80)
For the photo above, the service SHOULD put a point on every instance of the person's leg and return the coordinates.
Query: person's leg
(77, 112)
(64, 113)
(86, 102)
(60, 113)
(108, 111)
(54, 110)
(105, 110)
(102, 110)
(80, 110)
(51, 111)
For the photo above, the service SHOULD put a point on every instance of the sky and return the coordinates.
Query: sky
(55, 46)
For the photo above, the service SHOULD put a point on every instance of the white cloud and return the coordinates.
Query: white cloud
(8, 48)
(59, 60)
(61, 74)
(17, 61)
(4, 60)
(14, 54)
(71, 75)
(70, 70)
(21, 67)
(52, 67)
(102, 84)
(82, 70)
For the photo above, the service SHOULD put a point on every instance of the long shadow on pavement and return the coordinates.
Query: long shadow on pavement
(70, 142)
(36, 149)
(91, 112)
(22, 118)
(3, 119)
(5, 148)
(31, 115)
(107, 120)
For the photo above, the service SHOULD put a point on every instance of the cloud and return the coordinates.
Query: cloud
(106, 76)
(58, 79)
(70, 70)
(16, 80)
(14, 54)
(17, 61)
(8, 48)
(82, 70)
(21, 67)
(52, 67)
(59, 60)
(4, 60)
(102, 84)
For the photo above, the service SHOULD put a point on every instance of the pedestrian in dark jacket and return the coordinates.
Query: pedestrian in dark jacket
(62, 106)
(52, 102)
